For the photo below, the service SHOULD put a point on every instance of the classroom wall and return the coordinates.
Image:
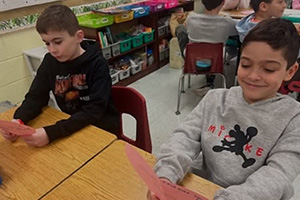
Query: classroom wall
(15, 78)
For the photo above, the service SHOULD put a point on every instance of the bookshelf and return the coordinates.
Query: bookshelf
(150, 20)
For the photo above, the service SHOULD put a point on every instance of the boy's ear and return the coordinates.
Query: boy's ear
(263, 6)
(291, 72)
(79, 35)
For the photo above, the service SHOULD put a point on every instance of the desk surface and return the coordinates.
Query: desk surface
(110, 176)
(30, 172)
(237, 14)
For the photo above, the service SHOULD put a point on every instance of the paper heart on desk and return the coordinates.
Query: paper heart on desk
(15, 128)
(164, 190)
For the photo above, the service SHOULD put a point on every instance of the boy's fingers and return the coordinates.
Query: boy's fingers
(151, 196)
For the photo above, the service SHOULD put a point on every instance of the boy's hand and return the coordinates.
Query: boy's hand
(151, 195)
(10, 136)
(38, 139)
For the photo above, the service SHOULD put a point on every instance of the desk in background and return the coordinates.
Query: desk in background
(30, 172)
(110, 176)
(237, 14)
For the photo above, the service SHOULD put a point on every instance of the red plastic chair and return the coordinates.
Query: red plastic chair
(196, 52)
(130, 101)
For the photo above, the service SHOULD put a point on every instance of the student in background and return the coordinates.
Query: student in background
(209, 27)
(247, 136)
(77, 74)
(263, 9)
(236, 4)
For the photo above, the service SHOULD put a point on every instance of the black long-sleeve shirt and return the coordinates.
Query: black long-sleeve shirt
(82, 88)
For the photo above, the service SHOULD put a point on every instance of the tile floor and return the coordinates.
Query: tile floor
(160, 91)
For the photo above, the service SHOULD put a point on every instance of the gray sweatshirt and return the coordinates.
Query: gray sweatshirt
(252, 150)
(210, 28)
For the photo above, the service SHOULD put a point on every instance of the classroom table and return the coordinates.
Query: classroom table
(30, 172)
(110, 176)
(237, 14)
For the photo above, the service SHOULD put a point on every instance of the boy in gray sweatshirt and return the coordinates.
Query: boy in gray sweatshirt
(247, 138)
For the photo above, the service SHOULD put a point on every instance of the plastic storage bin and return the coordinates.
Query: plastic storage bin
(155, 6)
(168, 3)
(167, 52)
(137, 40)
(124, 73)
(115, 49)
(95, 20)
(161, 55)
(148, 36)
(123, 17)
(135, 69)
(125, 45)
(114, 77)
(106, 52)
(138, 10)
(162, 30)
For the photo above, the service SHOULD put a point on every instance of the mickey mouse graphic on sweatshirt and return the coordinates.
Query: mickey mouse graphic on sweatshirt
(251, 150)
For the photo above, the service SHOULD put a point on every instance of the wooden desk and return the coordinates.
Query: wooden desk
(236, 14)
(110, 176)
(30, 172)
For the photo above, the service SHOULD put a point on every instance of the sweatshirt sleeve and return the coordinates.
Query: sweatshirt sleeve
(37, 96)
(232, 27)
(90, 113)
(176, 155)
(273, 180)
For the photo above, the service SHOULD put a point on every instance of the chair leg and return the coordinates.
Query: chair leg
(189, 81)
(181, 81)
(182, 85)
(224, 81)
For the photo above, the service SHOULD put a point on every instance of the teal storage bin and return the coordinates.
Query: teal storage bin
(125, 45)
(139, 10)
(137, 40)
(148, 36)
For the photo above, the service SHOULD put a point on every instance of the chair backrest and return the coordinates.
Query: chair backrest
(128, 100)
(200, 51)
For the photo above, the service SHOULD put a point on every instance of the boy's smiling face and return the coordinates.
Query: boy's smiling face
(262, 70)
(62, 45)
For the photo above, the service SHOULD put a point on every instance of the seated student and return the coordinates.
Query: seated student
(248, 135)
(77, 74)
(236, 4)
(202, 28)
(263, 9)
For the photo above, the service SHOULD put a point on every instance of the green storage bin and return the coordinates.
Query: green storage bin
(137, 40)
(125, 45)
(95, 20)
(148, 36)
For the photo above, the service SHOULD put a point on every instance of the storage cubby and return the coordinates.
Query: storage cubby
(139, 43)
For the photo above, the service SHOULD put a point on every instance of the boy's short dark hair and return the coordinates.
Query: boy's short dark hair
(280, 34)
(254, 4)
(211, 4)
(57, 18)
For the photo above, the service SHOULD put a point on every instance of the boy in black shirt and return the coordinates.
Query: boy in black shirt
(77, 74)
